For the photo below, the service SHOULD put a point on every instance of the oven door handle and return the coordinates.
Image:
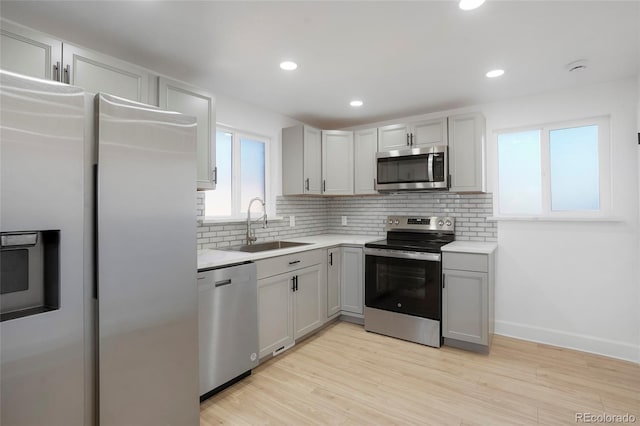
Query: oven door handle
(399, 254)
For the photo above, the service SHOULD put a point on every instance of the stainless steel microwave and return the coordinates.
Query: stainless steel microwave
(417, 169)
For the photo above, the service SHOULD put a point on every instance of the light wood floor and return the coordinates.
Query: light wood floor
(344, 375)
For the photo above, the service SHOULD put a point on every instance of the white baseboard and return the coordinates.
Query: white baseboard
(581, 342)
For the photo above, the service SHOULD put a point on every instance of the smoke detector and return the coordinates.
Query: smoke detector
(579, 65)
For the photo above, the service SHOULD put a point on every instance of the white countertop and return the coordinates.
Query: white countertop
(211, 258)
(470, 247)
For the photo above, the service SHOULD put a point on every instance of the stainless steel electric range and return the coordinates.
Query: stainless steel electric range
(403, 279)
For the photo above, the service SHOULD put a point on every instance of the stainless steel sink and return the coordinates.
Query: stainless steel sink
(269, 245)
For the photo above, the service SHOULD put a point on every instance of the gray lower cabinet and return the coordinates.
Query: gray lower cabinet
(352, 280)
(291, 298)
(467, 300)
(334, 271)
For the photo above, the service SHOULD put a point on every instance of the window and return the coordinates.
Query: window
(241, 159)
(555, 170)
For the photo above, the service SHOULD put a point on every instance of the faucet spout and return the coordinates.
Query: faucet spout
(251, 237)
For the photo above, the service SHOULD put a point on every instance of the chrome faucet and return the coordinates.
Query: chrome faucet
(251, 235)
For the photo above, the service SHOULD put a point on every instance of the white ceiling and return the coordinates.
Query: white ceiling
(400, 58)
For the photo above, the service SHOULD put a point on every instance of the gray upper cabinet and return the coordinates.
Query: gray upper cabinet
(466, 152)
(301, 160)
(337, 162)
(35, 54)
(96, 72)
(365, 147)
(429, 133)
(28, 52)
(418, 134)
(176, 96)
(394, 137)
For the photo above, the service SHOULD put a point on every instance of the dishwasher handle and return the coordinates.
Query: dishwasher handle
(223, 282)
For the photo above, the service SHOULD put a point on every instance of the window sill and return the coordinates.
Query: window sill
(210, 221)
(609, 219)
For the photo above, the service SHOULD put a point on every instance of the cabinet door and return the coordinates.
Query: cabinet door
(466, 139)
(176, 96)
(393, 137)
(334, 270)
(309, 307)
(464, 306)
(275, 315)
(312, 153)
(337, 162)
(429, 133)
(365, 148)
(28, 52)
(96, 72)
(352, 280)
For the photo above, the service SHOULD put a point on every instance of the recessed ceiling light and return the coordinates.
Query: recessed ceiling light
(495, 73)
(288, 65)
(470, 4)
(356, 103)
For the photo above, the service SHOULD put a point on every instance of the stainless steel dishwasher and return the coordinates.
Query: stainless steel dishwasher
(228, 326)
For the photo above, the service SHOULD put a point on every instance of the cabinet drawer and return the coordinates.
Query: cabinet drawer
(465, 261)
(290, 262)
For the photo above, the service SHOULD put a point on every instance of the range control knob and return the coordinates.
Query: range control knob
(396, 222)
(440, 223)
(448, 223)
(390, 222)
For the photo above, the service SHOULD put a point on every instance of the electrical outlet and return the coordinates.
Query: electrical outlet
(344, 221)
(292, 221)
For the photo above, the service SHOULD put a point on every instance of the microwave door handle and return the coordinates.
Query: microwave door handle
(430, 168)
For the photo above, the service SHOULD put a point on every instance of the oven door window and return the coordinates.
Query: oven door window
(403, 285)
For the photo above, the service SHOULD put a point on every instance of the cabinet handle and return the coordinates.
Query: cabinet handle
(324, 185)
(214, 175)
(294, 262)
(67, 74)
(331, 258)
(306, 185)
(56, 71)
(443, 282)
(293, 283)
(408, 139)
(411, 139)
(296, 283)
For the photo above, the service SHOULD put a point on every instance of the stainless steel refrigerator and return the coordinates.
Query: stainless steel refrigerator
(97, 202)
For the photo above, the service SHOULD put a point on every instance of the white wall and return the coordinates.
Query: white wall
(574, 284)
(243, 116)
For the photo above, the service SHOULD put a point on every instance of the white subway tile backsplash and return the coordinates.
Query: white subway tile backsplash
(366, 215)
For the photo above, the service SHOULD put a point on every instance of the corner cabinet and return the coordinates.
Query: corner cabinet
(337, 162)
(467, 300)
(176, 96)
(466, 152)
(365, 145)
(301, 160)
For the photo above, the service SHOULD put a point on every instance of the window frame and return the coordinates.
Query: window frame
(236, 209)
(604, 170)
